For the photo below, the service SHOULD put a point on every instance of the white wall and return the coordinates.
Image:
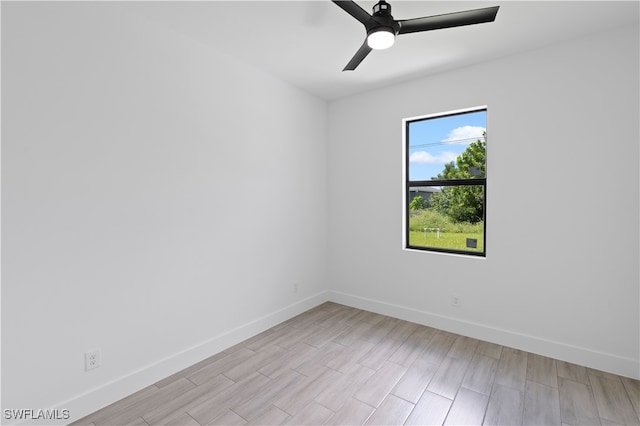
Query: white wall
(158, 202)
(157, 194)
(561, 273)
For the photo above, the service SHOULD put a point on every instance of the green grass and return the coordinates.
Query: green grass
(452, 235)
(446, 240)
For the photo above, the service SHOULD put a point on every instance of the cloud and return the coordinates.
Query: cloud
(423, 157)
(465, 134)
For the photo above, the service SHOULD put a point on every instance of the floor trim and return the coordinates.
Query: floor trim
(88, 402)
(610, 363)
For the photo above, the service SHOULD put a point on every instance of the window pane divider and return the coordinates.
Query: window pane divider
(448, 182)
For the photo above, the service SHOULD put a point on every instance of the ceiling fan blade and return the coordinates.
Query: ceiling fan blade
(448, 20)
(358, 57)
(354, 10)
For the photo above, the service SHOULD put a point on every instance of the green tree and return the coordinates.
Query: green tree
(417, 203)
(463, 203)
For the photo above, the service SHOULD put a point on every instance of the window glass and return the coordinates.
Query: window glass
(429, 227)
(446, 182)
(435, 143)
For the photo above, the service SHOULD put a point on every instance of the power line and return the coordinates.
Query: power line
(449, 142)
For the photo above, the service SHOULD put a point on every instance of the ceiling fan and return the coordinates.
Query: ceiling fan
(382, 28)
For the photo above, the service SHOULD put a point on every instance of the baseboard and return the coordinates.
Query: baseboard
(86, 403)
(577, 355)
(91, 401)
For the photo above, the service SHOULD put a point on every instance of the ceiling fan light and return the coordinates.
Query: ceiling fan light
(381, 38)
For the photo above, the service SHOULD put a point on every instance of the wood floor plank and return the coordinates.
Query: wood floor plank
(274, 338)
(322, 335)
(392, 411)
(376, 389)
(350, 356)
(315, 364)
(505, 407)
(573, 372)
(312, 414)
(271, 415)
(267, 394)
(541, 369)
(191, 369)
(468, 408)
(342, 317)
(228, 418)
(123, 404)
(438, 347)
(316, 331)
(209, 409)
(309, 318)
(600, 373)
(251, 340)
(183, 420)
(411, 348)
(379, 331)
(292, 339)
(339, 392)
(463, 348)
(378, 355)
(489, 349)
(541, 405)
(221, 365)
(255, 363)
(278, 365)
(480, 374)
(383, 350)
(160, 397)
(402, 330)
(577, 404)
(512, 369)
(431, 409)
(82, 422)
(415, 380)
(355, 332)
(353, 412)
(375, 318)
(605, 422)
(612, 400)
(296, 399)
(332, 307)
(448, 378)
(633, 391)
(136, 422)
(183, 402)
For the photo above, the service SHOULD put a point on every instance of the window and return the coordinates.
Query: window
(445, 182)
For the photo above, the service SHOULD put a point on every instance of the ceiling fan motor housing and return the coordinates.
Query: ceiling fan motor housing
(382, 16)
(382, 7)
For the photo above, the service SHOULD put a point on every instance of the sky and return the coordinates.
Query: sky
(436, 141)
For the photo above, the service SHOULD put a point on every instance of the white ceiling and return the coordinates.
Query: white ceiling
(307, 43)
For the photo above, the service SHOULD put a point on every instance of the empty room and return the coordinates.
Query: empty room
(320, 212)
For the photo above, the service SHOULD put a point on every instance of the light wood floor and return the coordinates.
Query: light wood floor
(339, 365)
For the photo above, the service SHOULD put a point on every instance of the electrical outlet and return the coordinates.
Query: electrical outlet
(91, 359)
(295, 288)
(455, 300)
